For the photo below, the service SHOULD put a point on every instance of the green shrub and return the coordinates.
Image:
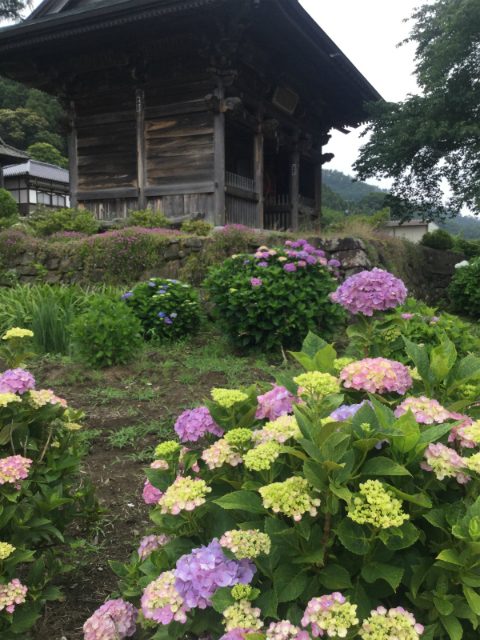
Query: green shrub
(197, 227)
(469, 248)
(107, 333)
(147, 218)
(45, 222)
(168, 309)
(47, 310)
(438, 239)
(373, 501)
(8, 206)
(464, 290)
(39, 513)
(417, 322)
(261, 303)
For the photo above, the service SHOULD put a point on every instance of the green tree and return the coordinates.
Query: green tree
(434, 136)
(45, 152)
(11, 9)
(22, 127)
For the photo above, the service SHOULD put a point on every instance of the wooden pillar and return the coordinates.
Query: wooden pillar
(141, 154)
(2, 179)
(259, 161)
(219, 159)
(295, 187)
(73, 157)
(318, 191)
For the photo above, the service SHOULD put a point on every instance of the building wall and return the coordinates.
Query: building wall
(409, 232)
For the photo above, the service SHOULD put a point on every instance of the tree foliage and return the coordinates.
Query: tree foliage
(434, 136)
(45, 152)
(11, 9)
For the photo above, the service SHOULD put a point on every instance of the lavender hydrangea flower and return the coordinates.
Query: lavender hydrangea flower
(256, 282)
(290, 267)
(194, 424)
(16, 381)
(114, 620)
(275, 403)
(345, 412)
(200, 573)
(370, 291)
(149, 544)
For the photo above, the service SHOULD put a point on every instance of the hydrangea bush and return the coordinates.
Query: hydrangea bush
(274, 297)
(41, 494)
(343, 502)
(168, 309)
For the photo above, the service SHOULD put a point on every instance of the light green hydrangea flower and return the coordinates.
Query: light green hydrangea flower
(316, 383)
(473, 463)
(392, 623)
(227, 398)
(340, 363)
(293, 498)
(280, 430)
(246, 544)
(242, 615)
(262, 457)
(377, 507)
(242, 592)
(185, 494)
(239, 437)
(6, 550)
(167, 450)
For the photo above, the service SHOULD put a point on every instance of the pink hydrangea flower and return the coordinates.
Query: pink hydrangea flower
(13, 469)
(256, 282)
(285, 630)
(150, 494)
(238, 634)
(194, 424)
(162, 602)
(331, 615)
(370, 291)
(377, 375)
(425, 410)
(149, 544)
(445, 463)
(275, 403)
(114, 620)
(16, 381)
(12, 594)
(461, 432)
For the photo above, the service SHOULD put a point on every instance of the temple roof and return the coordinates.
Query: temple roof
(9, 155)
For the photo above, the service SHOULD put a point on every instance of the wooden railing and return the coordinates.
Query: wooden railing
(278, 212)
(239, 182)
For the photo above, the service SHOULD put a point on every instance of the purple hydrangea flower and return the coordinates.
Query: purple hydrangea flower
(194, 424)
(370, 291)
(275, 403)
(200, 573)
(237, 634)
(168, 321)
(16, 381)
(334, 263)
(127, 295)
(262, 264)
(290, 267)
(114, 620)
(256, 282)
(345, 412)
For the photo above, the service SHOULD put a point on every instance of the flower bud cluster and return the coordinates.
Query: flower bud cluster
(292, 497)
(185, 494)
(392, 623)
(377, 506)
(246, 544)
(280, 430)
(331, 615)
(262, 457)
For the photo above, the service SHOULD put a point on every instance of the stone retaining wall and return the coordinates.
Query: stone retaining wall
(427, 272)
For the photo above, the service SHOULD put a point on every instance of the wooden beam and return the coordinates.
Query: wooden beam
(259, 163)
(73, 157)
(219, 161)
(318, 191)
(141, 152)
(294, 187)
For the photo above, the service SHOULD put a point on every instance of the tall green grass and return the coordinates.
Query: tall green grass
(48, 310)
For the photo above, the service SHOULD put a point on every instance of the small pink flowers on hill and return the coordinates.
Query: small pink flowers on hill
(114, 620)
(377, 375)
(370, 291)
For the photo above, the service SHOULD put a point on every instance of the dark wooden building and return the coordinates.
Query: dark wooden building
(215, 108)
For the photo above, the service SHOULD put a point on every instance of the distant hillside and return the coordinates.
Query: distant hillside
(344, 186)
(467, 227)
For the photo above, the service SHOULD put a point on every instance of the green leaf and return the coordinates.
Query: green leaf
(419, 355)
(396, 538)
(222, 599)
(453, 627)
(353, 537)
(24, 618)
(443, 606)
(442, 359)
(335, 577)
(313, 344)
(374, 571)
(473, 599)
(410, 433)
(432, 434)
(268, 603)
(381, 466)
(324, 359)
(241, 500)
(289, 583)
(451, 556)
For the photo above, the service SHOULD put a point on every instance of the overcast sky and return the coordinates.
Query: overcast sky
(368, 32)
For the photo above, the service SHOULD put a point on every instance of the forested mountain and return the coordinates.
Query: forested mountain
(345, 186)
(29, 116)
(340, 193)
(467, 227)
